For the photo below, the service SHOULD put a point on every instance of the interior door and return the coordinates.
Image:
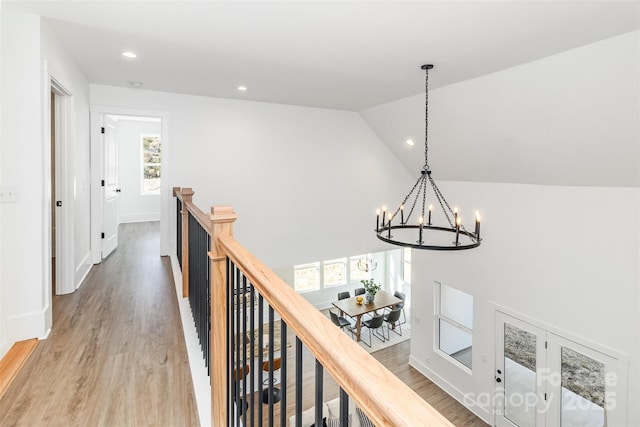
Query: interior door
(520, 370)
(110, 188)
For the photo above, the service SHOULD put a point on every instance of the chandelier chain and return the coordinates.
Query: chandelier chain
(421, 180)
(426, 122)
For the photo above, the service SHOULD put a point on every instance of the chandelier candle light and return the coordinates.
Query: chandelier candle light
(435, 237)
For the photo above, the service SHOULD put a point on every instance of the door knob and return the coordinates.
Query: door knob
(118, 190)
(498, 380)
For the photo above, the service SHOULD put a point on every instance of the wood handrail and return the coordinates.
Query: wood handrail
(355, 370)
(385, 399)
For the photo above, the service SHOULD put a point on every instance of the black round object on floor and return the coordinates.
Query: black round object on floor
(276, 396)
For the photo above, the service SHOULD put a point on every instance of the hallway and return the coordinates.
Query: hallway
(116, 355)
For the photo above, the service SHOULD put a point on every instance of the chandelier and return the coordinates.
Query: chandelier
(423, 233)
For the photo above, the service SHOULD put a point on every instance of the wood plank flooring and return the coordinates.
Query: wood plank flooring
(116, 355)
(394, 358)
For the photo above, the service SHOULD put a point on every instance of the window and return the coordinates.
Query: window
(151, 156)
(454, 324)
(406, 265)
(307, 277)
(334, 272)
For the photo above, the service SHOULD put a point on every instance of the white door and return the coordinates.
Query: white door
(586, 386)
(110, 188)
(520, 367)
(543, 379)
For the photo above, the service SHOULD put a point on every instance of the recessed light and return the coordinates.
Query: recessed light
(129, 54)
(242, 88)
(410, 142)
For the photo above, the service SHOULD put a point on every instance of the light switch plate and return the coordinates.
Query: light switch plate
(9, 194)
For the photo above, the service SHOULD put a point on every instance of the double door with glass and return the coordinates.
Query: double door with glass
(543, 379)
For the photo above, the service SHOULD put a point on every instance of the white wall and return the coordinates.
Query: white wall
(568, 119)
(77, 167)
(566, 256)
(134, 206)
(29, 56)
(305, 182)
(21, 269)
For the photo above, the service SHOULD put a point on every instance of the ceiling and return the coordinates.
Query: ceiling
(348, 55)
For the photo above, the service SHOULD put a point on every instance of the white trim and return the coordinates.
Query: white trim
(199, 377)
(4, 347)
(96, 161)
(465, 400)
(139, 217)
(623, 357)
(27, 326)
(83, 269)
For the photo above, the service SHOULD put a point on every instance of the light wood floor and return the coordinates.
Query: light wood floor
(116, 355)
(395, 358)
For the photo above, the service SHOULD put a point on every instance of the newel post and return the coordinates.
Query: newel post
(222, 219)
(187, 198)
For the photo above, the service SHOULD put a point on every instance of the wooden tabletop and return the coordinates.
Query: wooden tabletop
(351, 308)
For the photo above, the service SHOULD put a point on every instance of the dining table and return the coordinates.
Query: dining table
(351, 308)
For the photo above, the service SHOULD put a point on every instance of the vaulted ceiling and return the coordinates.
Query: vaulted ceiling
(348, 55)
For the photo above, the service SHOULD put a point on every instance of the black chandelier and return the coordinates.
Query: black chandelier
(423, 233)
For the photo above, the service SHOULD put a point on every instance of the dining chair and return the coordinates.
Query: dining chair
(344, 295)
(375, 323)
(400, 305)
(392, 319)
(341, 322)
(359, 291)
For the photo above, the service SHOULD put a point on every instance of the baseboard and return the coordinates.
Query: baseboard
(4, 347)
(139, 217)
(26, 326)
(83, 269)
(464, 399)
(201, 386)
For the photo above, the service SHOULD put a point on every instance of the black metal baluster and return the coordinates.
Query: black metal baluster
(244, 345)
(260, 350)
(319, 387)
(252, 356)
(270, 388)
(299, 381)
(229, 342)
(236, 331)
(344, 408)
(179, 231)
(283, 373)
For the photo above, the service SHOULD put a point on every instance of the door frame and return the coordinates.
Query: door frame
(96, 113)
(64, 161)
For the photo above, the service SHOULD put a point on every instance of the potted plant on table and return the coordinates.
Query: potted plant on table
(371, 289)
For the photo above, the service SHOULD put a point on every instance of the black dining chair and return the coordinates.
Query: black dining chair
(400, 305)
(392, 319)
(344, 295)
(359, 291)
(341, 322)
(375, 323)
